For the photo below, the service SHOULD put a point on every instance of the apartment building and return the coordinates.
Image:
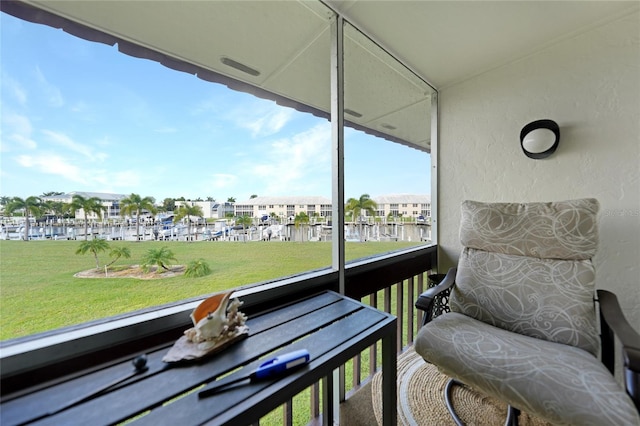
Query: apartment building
(110, 202)
(210, 209)
(284, 206)
(394, 205)
(404, 205)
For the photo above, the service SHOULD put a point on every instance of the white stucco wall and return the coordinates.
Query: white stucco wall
(590, 85)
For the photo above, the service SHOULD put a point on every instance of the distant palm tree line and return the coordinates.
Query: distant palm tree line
(135, 204)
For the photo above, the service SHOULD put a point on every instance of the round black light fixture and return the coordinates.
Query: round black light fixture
(539, 139)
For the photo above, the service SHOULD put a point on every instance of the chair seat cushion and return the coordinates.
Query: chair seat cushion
(559, 383)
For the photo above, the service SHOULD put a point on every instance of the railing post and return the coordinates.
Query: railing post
(373, 350)
(357, 368)
(287, 413)
(420, 290)
(400, 313)
(315, 401)
(387, 300)
(389, 372)
(328, 397)
(410, 311)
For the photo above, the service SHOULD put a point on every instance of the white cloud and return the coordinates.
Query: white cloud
(206, 106)
(105, 141)
(79, 107)
(24, 141)
(14, 88)
(53, 94)
(66, 142)
(289, 164)
(53, 165)
(84, 174)
(125, 179)
(262, 118)
(269, 124)
(222, 180)
(20, 124)
(18, 133)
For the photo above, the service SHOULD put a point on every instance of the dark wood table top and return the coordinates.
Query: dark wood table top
(331, 327)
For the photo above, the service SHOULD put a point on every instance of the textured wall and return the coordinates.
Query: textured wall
(588, 84)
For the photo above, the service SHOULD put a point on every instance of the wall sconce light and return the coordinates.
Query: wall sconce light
(539, 139)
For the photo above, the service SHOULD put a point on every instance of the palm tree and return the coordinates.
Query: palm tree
(245, 221)
(159, 257)
(94, 246)
(168, 204)
(117, 253)
(187, 211)
(87, 205)
(300, 220)
(30, 205)
(55, 207)
(135, 204)
(356, 206)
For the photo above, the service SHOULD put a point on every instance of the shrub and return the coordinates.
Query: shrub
(197, 268)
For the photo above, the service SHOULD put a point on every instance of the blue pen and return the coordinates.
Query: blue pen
(269, 369)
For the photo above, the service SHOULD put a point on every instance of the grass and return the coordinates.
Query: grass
(38, 291)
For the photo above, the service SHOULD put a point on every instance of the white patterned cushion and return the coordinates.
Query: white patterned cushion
(557, 230)
(561, 384)
(527, 268)
(523, 321)
(543, 298)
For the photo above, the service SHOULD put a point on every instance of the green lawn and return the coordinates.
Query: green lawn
(38, 291)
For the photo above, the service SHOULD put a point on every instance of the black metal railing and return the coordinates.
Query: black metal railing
(390, 284)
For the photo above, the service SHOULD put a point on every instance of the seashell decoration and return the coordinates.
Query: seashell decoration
(209, 318)
(210, 305)
(217, 323)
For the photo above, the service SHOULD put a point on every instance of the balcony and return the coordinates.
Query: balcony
(390, 283)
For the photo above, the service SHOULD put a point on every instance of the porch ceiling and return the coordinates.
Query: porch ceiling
(447, 42)
(442, 42)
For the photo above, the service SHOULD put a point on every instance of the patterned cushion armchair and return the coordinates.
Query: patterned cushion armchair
(523, 325)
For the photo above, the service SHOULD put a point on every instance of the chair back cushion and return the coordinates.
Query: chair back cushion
(527, 268)
(559, 230)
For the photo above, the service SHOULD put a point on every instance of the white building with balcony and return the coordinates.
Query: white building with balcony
(394, 205)
(110, 202)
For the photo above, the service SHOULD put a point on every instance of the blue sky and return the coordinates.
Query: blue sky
(80, 116)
